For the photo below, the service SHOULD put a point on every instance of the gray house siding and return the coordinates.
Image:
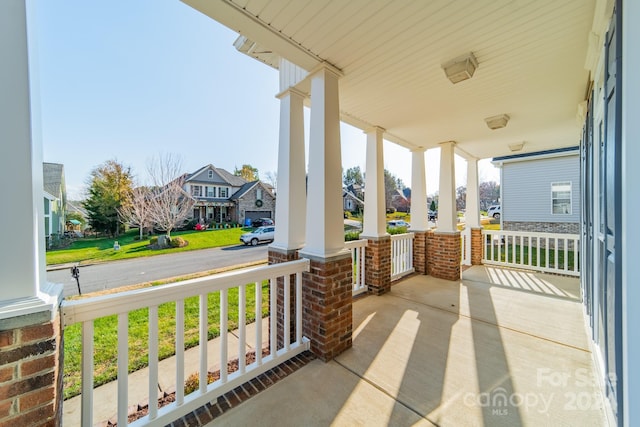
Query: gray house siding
(527, 195)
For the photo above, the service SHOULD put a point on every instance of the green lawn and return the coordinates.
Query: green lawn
(101, 249)
(106, 335)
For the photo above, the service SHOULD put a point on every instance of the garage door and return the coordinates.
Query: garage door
(257, 214)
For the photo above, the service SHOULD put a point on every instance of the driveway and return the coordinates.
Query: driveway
(98, 277)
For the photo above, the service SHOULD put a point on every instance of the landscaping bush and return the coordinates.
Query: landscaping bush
(153, 240)
(397, 230)
(351, 235)
(177, 242)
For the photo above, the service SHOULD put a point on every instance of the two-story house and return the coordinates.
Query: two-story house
(222, 197)
(55, 200)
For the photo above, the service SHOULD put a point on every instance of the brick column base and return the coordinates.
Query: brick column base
(378, 265)
(278, 256)
(420, 252)
(476, 246)
(444, 254)
(30, 372)
(326, 304)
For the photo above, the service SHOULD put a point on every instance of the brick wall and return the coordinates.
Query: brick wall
(277, 256)
(326, 305)
(476, 246)
(542, 227)
(444, 254)
(378, 265)
(31, 375)
(248, 203)
(420, 252)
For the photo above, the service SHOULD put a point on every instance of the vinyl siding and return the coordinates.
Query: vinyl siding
(526, 188)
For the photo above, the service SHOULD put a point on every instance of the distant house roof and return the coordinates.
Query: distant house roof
(53, 179)
(565, 151)
(228, 177)
(348, 194)
(248, 186)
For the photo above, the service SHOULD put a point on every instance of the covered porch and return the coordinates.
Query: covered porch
(500, 347)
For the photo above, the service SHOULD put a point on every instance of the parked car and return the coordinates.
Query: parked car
(494, 211)
(433, 215)
(398, 223)
(260, 222)
(259, 235)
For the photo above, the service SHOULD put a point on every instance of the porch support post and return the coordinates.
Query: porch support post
(444, 251)
(378, 251)
(292, 200)
(327, 297)
(472, 212)
(419, 223)
(30, 336)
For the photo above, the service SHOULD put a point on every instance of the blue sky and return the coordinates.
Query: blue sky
(128, 80)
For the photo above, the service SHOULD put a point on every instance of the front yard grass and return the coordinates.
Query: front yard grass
(101, 249)
(106, 335)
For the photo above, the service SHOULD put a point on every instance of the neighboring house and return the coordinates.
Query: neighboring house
(400, 201)
(55, 201)
(223, 197)
(351, 202)
(540, 191)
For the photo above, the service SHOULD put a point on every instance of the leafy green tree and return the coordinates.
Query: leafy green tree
(109, 187)
(433, 206)
(353, 176)
(248, 172)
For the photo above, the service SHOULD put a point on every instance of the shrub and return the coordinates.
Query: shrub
(153, 240)
(397, 230)
(351, 235)
(177, 242)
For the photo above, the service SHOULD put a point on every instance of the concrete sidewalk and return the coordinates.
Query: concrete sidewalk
(105, 397)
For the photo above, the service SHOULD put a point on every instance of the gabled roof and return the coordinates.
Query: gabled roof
(347, 193)
(226, 176)
(53, 178)
(248, 186)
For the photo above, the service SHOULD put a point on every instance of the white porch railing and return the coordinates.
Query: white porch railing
(358, 248)
(401, 255)
(548, 252)
(465, 241)
(120, 304)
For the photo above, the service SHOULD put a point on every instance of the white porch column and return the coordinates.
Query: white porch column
(374, 221)
(447, 218)
(472, 212)
(418, 191)
(23, 268)
(325, 224)
(291, 205)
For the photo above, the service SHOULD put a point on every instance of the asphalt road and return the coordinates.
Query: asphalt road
(98, 277)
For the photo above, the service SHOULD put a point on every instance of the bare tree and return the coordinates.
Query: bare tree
(272, 179)
(136, 209)
(170, 205)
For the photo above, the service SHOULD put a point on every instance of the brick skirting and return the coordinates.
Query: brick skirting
(378, 265)
(444, 254)
(278, 256)
(420, 252)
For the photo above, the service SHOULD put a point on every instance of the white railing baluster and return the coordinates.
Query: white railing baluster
(513, 243)
(123, 368)
(242, 320)
(204, 338)
(273, 316)
(224, 334)
(87, 373)
(401, 255)
(153, 362)
(258, 323)
(357, 248)
(287, 312)
(180, 350)
(84, 311)
(298, 308)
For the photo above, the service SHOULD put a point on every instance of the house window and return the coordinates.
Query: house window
(561, 198)
(259, 194)
(196, 190)
(210, 174)
(211, 191)
(224, 192)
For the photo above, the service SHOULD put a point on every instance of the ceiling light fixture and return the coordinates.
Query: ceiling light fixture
(497, 122)
(461, 68)
(516, 146)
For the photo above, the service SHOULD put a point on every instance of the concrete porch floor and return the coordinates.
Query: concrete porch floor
(498, 348)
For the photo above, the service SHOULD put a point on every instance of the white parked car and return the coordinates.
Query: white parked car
(259, 235)
(494, 211)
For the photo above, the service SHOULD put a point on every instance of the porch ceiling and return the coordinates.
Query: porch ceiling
(531, 56)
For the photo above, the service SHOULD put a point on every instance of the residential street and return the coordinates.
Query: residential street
(109, 275)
